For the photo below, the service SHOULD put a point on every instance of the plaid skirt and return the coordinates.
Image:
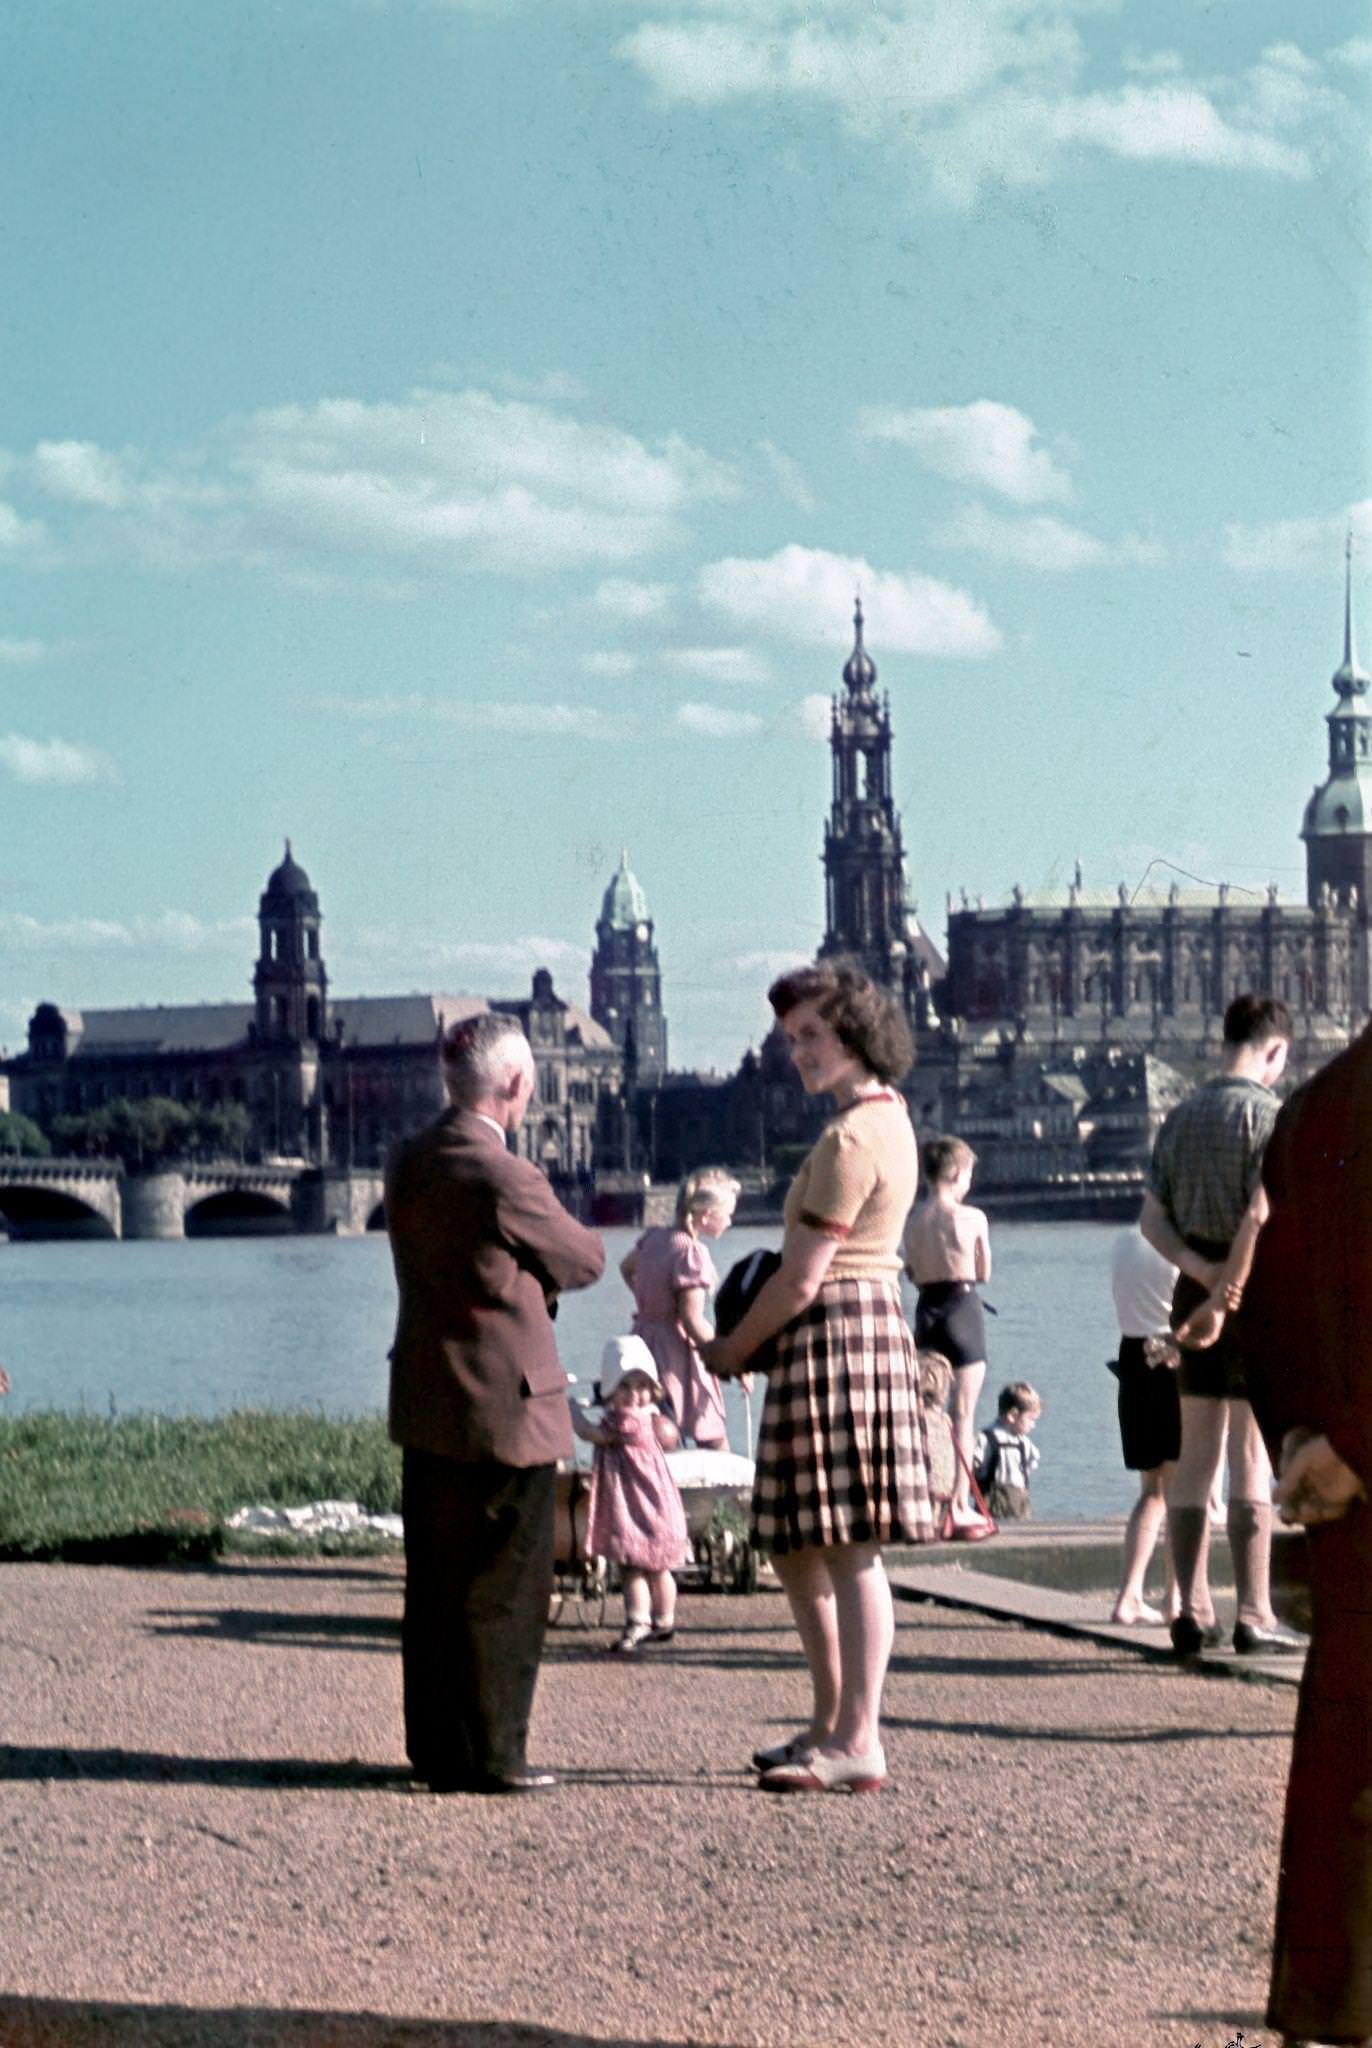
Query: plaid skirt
(842, 1455)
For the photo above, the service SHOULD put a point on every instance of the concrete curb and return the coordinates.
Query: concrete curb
(1073, 1614)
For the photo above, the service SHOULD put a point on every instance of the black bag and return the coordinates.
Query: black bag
(738, 1290)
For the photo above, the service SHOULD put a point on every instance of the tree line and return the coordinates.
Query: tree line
(139, 1131)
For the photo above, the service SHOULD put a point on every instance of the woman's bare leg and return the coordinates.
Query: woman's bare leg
(809, 1587)
(866, 1631)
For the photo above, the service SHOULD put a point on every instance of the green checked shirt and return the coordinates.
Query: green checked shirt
(1208, 1157)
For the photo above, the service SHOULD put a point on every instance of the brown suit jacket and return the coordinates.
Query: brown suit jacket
(480, 1244)
(1307, 1309)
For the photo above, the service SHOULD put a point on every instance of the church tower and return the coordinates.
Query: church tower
(864, 861)
(289, 979)
(626, 982)
(1338, 818)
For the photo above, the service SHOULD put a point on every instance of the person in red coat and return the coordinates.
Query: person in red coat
(482, 1247)
(1307, 1338)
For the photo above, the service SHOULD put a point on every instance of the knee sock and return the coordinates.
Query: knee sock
(1250, 1546)
(1188, 1532)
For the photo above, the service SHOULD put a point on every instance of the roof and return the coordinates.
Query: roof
(625, 904)
(413, 1020)
(288, 880)
(159, 1028)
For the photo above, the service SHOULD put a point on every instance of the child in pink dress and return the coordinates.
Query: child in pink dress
(672, 1277)
(636, 1517)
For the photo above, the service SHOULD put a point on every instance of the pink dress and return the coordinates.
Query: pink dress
(667, 1262)
(636, 1515)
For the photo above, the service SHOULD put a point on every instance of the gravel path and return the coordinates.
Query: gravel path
(207, 1839)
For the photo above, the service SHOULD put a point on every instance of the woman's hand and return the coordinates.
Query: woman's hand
(718, 1357)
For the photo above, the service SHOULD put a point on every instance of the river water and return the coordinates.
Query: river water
(209, 1324)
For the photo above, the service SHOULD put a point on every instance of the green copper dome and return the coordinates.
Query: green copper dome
(625, 904)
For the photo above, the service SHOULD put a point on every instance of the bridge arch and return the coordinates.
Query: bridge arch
(377, 1219)
(34, 1211)
(238, 1212)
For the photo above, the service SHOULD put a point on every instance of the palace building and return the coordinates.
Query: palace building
(333, 1080)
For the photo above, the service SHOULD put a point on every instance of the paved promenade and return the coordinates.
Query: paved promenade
(207, 1839)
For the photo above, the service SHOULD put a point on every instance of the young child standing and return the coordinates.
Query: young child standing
(1005, 1456)
(636, 1517)
(947, 1254)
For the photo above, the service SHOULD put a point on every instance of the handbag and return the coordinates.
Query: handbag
(738, 1290)
(986, 1525)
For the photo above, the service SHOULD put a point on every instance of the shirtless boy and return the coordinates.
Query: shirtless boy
(947, 1252)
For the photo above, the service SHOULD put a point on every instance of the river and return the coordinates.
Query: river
(209, 1324)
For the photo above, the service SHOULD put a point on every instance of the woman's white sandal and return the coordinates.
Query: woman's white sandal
(821, 1773)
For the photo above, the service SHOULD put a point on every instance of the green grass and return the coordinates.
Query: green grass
(148, 1487)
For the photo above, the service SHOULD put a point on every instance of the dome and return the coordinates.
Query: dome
(859, 671)
(625, 904)
(289, 880)
(1342, 805)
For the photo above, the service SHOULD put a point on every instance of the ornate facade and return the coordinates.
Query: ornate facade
(327, 1079)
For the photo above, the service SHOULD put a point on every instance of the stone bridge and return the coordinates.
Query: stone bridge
(42, 1198)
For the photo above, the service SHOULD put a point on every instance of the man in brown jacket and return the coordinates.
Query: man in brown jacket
(482, 1247)
(1307, 1338)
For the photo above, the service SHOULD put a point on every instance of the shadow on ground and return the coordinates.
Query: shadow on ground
(63, 2023)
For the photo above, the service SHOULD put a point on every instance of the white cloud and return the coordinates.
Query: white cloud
(1041, 542)
(984, 443)
(433, 482)
(52, 761)
(711, 721)
(1296, 546)
(483, 961)
(625, 599)
(770, 964)
(990, 94)
(806, 595)
(24, 653)
(571, 721)
(173, 931)
(81, 473)
(20, 536)
(815, 715)
(789, 477)
(609, 661)
(720, 664)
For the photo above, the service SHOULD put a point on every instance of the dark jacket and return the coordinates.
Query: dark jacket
(481, 1244)
(1307, 1308)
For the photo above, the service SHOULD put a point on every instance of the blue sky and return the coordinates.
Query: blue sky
(451, 435)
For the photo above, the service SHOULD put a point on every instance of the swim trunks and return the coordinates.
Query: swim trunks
(948, 1318)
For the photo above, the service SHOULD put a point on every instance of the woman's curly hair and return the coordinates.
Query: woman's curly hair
(864, 1019)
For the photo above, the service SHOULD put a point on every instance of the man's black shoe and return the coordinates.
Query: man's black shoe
(525, 1780)
(495, 1782)
(1187, 1636)
(1277, 1641)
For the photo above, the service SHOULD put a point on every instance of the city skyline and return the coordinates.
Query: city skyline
(452, 437)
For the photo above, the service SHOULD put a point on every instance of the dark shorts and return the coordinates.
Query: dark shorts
(1149, 1410)
(949, 1319)
(1216, 1374)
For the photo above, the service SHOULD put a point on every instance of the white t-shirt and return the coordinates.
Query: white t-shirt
(1142, 1281)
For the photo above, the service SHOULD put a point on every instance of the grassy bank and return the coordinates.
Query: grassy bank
(142, 1488)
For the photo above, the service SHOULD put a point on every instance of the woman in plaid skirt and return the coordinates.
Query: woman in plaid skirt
(842, 1463)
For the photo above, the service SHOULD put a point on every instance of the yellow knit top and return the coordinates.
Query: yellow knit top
(857, 1185)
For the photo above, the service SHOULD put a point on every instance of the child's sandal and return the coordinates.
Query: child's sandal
(635, 1632)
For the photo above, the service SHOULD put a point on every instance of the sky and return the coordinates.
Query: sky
(452, 435)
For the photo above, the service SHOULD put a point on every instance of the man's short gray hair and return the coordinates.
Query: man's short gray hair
(480, 1054)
